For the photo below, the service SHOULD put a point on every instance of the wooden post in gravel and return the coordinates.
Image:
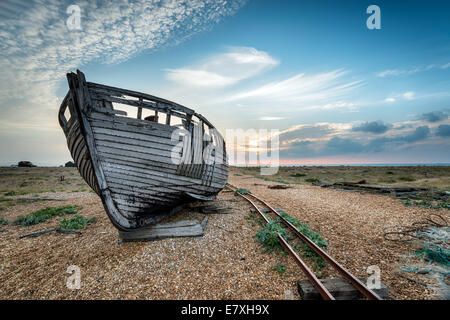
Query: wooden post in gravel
(339, 288)
(184, 228)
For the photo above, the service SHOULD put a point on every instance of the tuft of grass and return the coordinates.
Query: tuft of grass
(407, 178)
(268, 235)
(281, 269)
(8, 201)
(297, 175)
(242, 191)
(45, 214)
(312, 180)
(426, 204)
(77, 222)
(250, 216)
(10, 193)
(306, 230)
(387, 181)
(3, 221)
(315, 237)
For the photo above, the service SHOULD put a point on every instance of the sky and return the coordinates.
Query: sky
(335, 91)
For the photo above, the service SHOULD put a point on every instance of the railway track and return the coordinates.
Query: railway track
(324, 293)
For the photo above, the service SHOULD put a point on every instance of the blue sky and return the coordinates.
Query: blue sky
(336, 91)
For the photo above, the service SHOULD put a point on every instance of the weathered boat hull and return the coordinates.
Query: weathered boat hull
(141, 169)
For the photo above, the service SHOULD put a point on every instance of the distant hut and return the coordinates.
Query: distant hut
(70, 164)
(26, 164)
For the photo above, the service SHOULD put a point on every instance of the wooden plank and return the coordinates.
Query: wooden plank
(173, 193)
(139, 113)
(340, 288)
(186, 155)
(219, 176)
(158, 233)
(156, 185)
(135, 129)
(135, 136)
(176, 224)
(198, 151)
(119, 192)
(138, 143)
(138, 163)
(167, 177)
(78, 149)
(154, 177)
(132, 211)
(138, 155)
(144, 150)
(129, 196)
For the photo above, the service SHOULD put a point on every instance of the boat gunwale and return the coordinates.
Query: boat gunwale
(166, 103)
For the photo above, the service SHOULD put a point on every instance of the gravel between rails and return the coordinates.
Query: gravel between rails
(353, 224)
(226, 263)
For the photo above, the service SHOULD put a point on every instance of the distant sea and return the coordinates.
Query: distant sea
(305, 165)
(368, 165)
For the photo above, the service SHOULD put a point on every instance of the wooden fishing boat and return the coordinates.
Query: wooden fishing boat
(141, 168)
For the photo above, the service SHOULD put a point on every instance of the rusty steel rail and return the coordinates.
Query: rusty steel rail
(355, 282)
(324, 293)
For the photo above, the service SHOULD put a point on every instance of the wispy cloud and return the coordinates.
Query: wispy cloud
(302, 87)
(409, 95)
(224, 69)
(37, 49)
(400, 72)
(270, 118)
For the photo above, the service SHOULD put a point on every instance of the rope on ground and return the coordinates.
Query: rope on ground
(434, 231)
(418, 230)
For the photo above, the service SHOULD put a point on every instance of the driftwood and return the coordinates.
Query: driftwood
(184, 228)
(412, 280)
(339, 288)
(36, 234)
(204, 222)
(24, 200)
(400, 192)
(377, 187)
(279, 186)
